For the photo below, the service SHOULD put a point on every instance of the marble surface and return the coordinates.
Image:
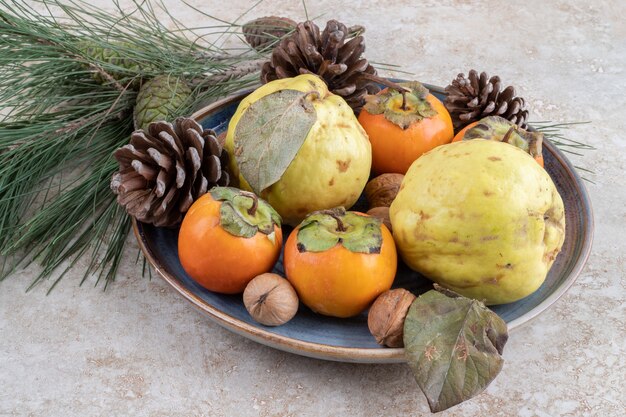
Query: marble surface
(139, 349)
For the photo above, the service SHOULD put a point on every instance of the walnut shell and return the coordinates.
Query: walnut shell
(382, 190)
(381, 213)
(386, 316)
(270, 299)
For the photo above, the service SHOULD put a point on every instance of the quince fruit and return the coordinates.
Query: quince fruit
(299, 147)
(481, 218)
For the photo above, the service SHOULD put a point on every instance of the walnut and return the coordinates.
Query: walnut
(386, 316)
(382, 190)
(381, 213)
(270, 299)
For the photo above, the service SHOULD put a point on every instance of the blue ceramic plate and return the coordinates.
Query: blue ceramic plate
(349, 340)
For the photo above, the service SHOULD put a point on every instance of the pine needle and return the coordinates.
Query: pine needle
(554, 133)
(64, 110)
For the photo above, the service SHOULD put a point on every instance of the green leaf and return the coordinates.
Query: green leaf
(269, 135)
(223, 193)
(232, 222)
(243, 214)
(453, 345)
(315, 236)
(402, 111)
(503, 130)
(323, 229)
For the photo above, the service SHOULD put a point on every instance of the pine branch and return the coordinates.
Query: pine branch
(67, 89)
(554, 133)
(236, 72)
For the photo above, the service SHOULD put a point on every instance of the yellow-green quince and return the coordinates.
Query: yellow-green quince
(481, 218)
(332, 165)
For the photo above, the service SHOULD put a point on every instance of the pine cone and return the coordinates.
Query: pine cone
(160, 99)
(109, 64)
(477, 96)
(327, 54)
(264, 31)
(164, 170)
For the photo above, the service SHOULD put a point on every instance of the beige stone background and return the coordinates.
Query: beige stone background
(139, 349)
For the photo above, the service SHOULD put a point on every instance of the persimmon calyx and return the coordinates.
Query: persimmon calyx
(402, 107)
(324, 229)
(503, 130)
(243, 214)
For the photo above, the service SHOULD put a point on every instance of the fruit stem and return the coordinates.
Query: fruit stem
(336, 214)
(340, 226)
(389, 84)
(508, 134)
(255, 202)
(315, 94)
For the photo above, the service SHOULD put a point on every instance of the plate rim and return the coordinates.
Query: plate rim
(352, 354)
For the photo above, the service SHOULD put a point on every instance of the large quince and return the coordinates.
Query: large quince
(299, 147)
(481, 218)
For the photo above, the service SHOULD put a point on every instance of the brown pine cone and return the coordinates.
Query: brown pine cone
(262, 32)
(477, 96)
(164, 170)
(330, 55)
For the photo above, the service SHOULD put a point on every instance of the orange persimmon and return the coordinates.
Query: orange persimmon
(403, 125)
(228, 237)
(339, 261)
(459, 136)
(500, 129)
